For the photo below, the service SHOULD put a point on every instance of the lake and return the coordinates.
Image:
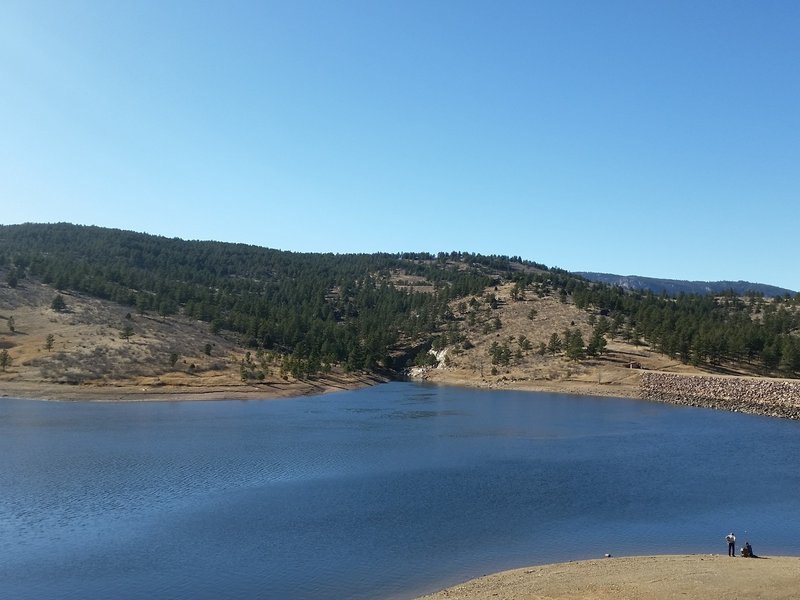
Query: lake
(385, 492)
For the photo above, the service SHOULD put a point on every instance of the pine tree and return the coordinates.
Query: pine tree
(574, 345)
(5, 359)
(58, 303)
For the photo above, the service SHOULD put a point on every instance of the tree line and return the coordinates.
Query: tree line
(359, 311)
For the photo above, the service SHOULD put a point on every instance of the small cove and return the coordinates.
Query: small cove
(385, 492)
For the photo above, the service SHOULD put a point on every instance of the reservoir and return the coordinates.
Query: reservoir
(387, 492)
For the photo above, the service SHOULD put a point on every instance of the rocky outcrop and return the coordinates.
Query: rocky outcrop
(770, 397)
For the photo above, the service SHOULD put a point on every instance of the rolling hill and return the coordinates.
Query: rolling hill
(147, 313)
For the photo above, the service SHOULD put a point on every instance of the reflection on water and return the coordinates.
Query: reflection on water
(422, 414)
(379, 493)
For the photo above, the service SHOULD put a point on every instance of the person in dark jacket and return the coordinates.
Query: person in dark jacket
(747, 551)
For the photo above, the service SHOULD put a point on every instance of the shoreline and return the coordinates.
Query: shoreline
(130, 392)
(659, 577)
(164, 392)
(572, 387)
(137, 392)
(632, 389)
(54, 392)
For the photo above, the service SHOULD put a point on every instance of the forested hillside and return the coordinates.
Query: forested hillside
(318, 309)
(378, 311)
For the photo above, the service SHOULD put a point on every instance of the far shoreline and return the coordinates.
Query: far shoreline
(133, 392)
(161, 391)
(111, 393)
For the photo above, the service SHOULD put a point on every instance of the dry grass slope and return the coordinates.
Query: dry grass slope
(537, 318)
(91, 358)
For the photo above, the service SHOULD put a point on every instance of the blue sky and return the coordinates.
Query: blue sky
(641, 137)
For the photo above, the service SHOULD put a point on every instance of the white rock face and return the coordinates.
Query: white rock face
(417, 372)
(421, 372)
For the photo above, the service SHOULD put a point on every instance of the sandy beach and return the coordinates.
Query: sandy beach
(700, 576)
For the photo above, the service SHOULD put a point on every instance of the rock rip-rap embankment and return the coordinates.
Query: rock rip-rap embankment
(770, 397)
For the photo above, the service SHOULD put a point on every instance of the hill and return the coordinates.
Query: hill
(674, 287)
(511, 346)
(97, 349)
(92, 308)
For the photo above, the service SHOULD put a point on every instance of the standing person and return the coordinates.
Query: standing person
(731, 539)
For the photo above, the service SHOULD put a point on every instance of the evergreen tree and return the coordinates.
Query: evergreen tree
(58, 304)
(555, 345)
(597, 343)
(574, 345)
(5, 359)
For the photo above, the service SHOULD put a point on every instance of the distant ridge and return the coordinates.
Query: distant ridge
(673, 287)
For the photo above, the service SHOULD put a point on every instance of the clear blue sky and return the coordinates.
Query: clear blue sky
(645, 137)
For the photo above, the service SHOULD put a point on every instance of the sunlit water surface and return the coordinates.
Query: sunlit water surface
(386, 492)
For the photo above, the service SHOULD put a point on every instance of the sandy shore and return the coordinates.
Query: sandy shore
(132, 392)
(699, 576)
(452, 378)
(169, 393)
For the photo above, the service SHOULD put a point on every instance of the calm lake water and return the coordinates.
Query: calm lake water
(386, 492)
